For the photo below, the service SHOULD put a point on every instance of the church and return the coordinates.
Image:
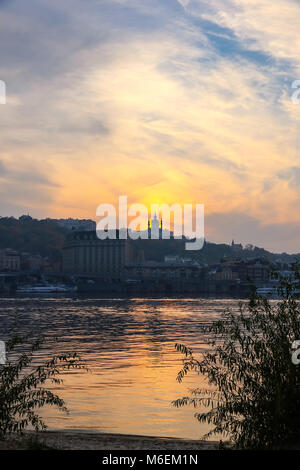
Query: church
(156, 230)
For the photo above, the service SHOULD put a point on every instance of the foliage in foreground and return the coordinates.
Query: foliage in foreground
(23, 389)
(253, 394)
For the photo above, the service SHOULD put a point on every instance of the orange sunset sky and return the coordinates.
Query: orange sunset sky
(163, 101)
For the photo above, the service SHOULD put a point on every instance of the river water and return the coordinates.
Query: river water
(128, 345)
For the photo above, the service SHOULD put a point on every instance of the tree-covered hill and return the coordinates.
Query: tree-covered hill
(211, 253)
(46, 238)
(41, 237)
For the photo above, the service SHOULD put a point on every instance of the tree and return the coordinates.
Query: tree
(252, 393)
(22, 384)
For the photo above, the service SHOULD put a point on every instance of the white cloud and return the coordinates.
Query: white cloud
(263, 25)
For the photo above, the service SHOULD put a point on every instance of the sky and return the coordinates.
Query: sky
(170, 101)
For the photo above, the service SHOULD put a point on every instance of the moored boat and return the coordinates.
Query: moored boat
(273, 292)
(45, 289)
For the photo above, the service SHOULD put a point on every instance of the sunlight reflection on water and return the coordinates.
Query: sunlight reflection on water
(128, 345)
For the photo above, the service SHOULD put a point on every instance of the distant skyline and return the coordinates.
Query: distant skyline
(171, 101)
(224, 241)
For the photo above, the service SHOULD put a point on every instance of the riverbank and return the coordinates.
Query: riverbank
(76, 440)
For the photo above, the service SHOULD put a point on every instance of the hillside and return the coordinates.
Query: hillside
(46, 238)
(211, 253)
(42, 237)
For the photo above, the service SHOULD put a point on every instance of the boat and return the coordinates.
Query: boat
(267, 291)
(273, 292)
(45, 289)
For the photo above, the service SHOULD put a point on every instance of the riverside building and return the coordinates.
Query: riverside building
(85, 253)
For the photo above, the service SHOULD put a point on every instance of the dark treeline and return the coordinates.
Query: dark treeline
(46, 238)
(39, 237)
(211, 253)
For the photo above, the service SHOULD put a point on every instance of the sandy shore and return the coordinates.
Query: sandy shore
(73, 440)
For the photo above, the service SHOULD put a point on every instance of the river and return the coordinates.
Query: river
(128, 345)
